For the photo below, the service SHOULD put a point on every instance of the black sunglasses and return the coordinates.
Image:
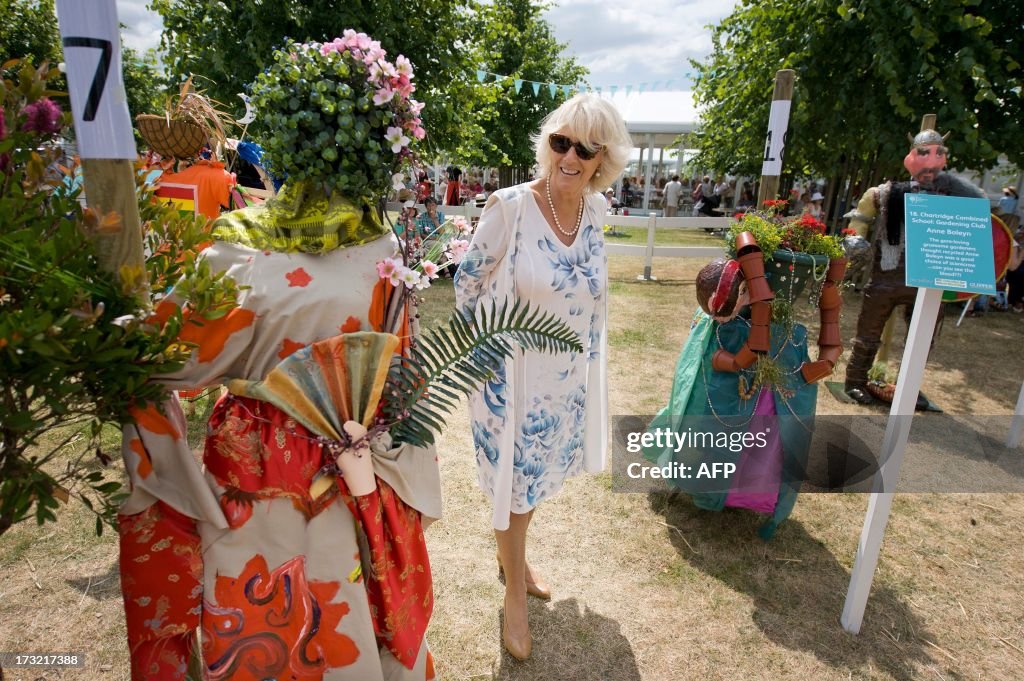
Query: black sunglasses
(560, 144)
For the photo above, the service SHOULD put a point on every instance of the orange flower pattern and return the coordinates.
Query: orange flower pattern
(274, 625)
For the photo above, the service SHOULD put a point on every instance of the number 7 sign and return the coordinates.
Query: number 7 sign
(92, 59)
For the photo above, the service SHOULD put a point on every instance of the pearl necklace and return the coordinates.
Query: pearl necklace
(554, 213)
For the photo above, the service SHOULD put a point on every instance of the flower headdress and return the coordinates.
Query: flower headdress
(341, 114)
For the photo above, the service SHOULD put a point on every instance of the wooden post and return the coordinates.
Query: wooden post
(110, 186)
(775, 143)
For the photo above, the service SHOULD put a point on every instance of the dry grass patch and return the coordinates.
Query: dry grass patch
(647, 586)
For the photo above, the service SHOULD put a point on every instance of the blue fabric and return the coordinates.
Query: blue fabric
(705, 400)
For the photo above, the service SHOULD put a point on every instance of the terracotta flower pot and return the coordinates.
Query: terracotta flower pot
(744, 242)
(831, 353)
(760, 313)
(759, 338)
(836, 269)
(830, 298)
(829, 334)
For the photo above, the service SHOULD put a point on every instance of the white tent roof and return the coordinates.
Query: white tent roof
(666, 115)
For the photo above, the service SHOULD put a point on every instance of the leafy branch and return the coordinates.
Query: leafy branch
(446, 365)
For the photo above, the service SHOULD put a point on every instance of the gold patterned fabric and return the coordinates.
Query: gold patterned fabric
(301, 219)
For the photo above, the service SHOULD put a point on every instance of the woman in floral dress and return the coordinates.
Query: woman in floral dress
(543, 418)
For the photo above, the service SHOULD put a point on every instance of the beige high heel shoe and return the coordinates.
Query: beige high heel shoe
(519, 648)
(537, 589)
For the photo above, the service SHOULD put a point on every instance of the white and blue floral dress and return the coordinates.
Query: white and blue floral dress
(543, 418)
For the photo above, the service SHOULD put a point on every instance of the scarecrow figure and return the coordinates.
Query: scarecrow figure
(879, 217)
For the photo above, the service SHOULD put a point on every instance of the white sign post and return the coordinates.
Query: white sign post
(948, 243)
(922, 326)
(92, 59)
(775, 141)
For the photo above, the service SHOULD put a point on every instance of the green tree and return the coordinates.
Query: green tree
(866, 72)
(29, 30)
(228, 43)
(144, 84)
(516, 41)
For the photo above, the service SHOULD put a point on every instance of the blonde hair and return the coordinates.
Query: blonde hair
(587, 118)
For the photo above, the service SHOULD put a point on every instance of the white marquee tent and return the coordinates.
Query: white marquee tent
(655, 120)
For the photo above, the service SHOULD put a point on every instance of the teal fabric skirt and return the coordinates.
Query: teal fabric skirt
(704, 401)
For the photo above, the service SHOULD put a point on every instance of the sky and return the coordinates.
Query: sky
(629, 43)
(622, 43)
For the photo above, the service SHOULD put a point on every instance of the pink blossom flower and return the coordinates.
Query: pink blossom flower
(403, 86)
(363, 41)
(462, 224)
(430, 269)
(415, 107)
(43, 116)
(409, 277)
(386, 267)
(395, 138)
(457, 249)
(383, 96)
(403, 66)
(381, 69)
(419, 133)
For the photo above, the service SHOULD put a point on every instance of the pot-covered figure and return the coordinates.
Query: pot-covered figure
(879, 217)
(293, 567)
(738, 424)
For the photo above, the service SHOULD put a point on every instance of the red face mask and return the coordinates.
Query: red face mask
(925, 162)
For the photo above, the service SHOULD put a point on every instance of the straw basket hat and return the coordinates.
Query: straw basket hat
(171, 138)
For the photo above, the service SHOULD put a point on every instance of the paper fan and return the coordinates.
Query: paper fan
(325, 384)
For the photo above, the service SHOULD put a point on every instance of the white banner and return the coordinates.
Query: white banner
(92, 61)
(775, 143)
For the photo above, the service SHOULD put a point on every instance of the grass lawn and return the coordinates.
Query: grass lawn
(637, 236)
(648, 587)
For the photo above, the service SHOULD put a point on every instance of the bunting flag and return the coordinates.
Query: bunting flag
(567, 90)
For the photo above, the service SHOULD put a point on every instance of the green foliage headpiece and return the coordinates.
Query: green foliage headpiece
(338, 114)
